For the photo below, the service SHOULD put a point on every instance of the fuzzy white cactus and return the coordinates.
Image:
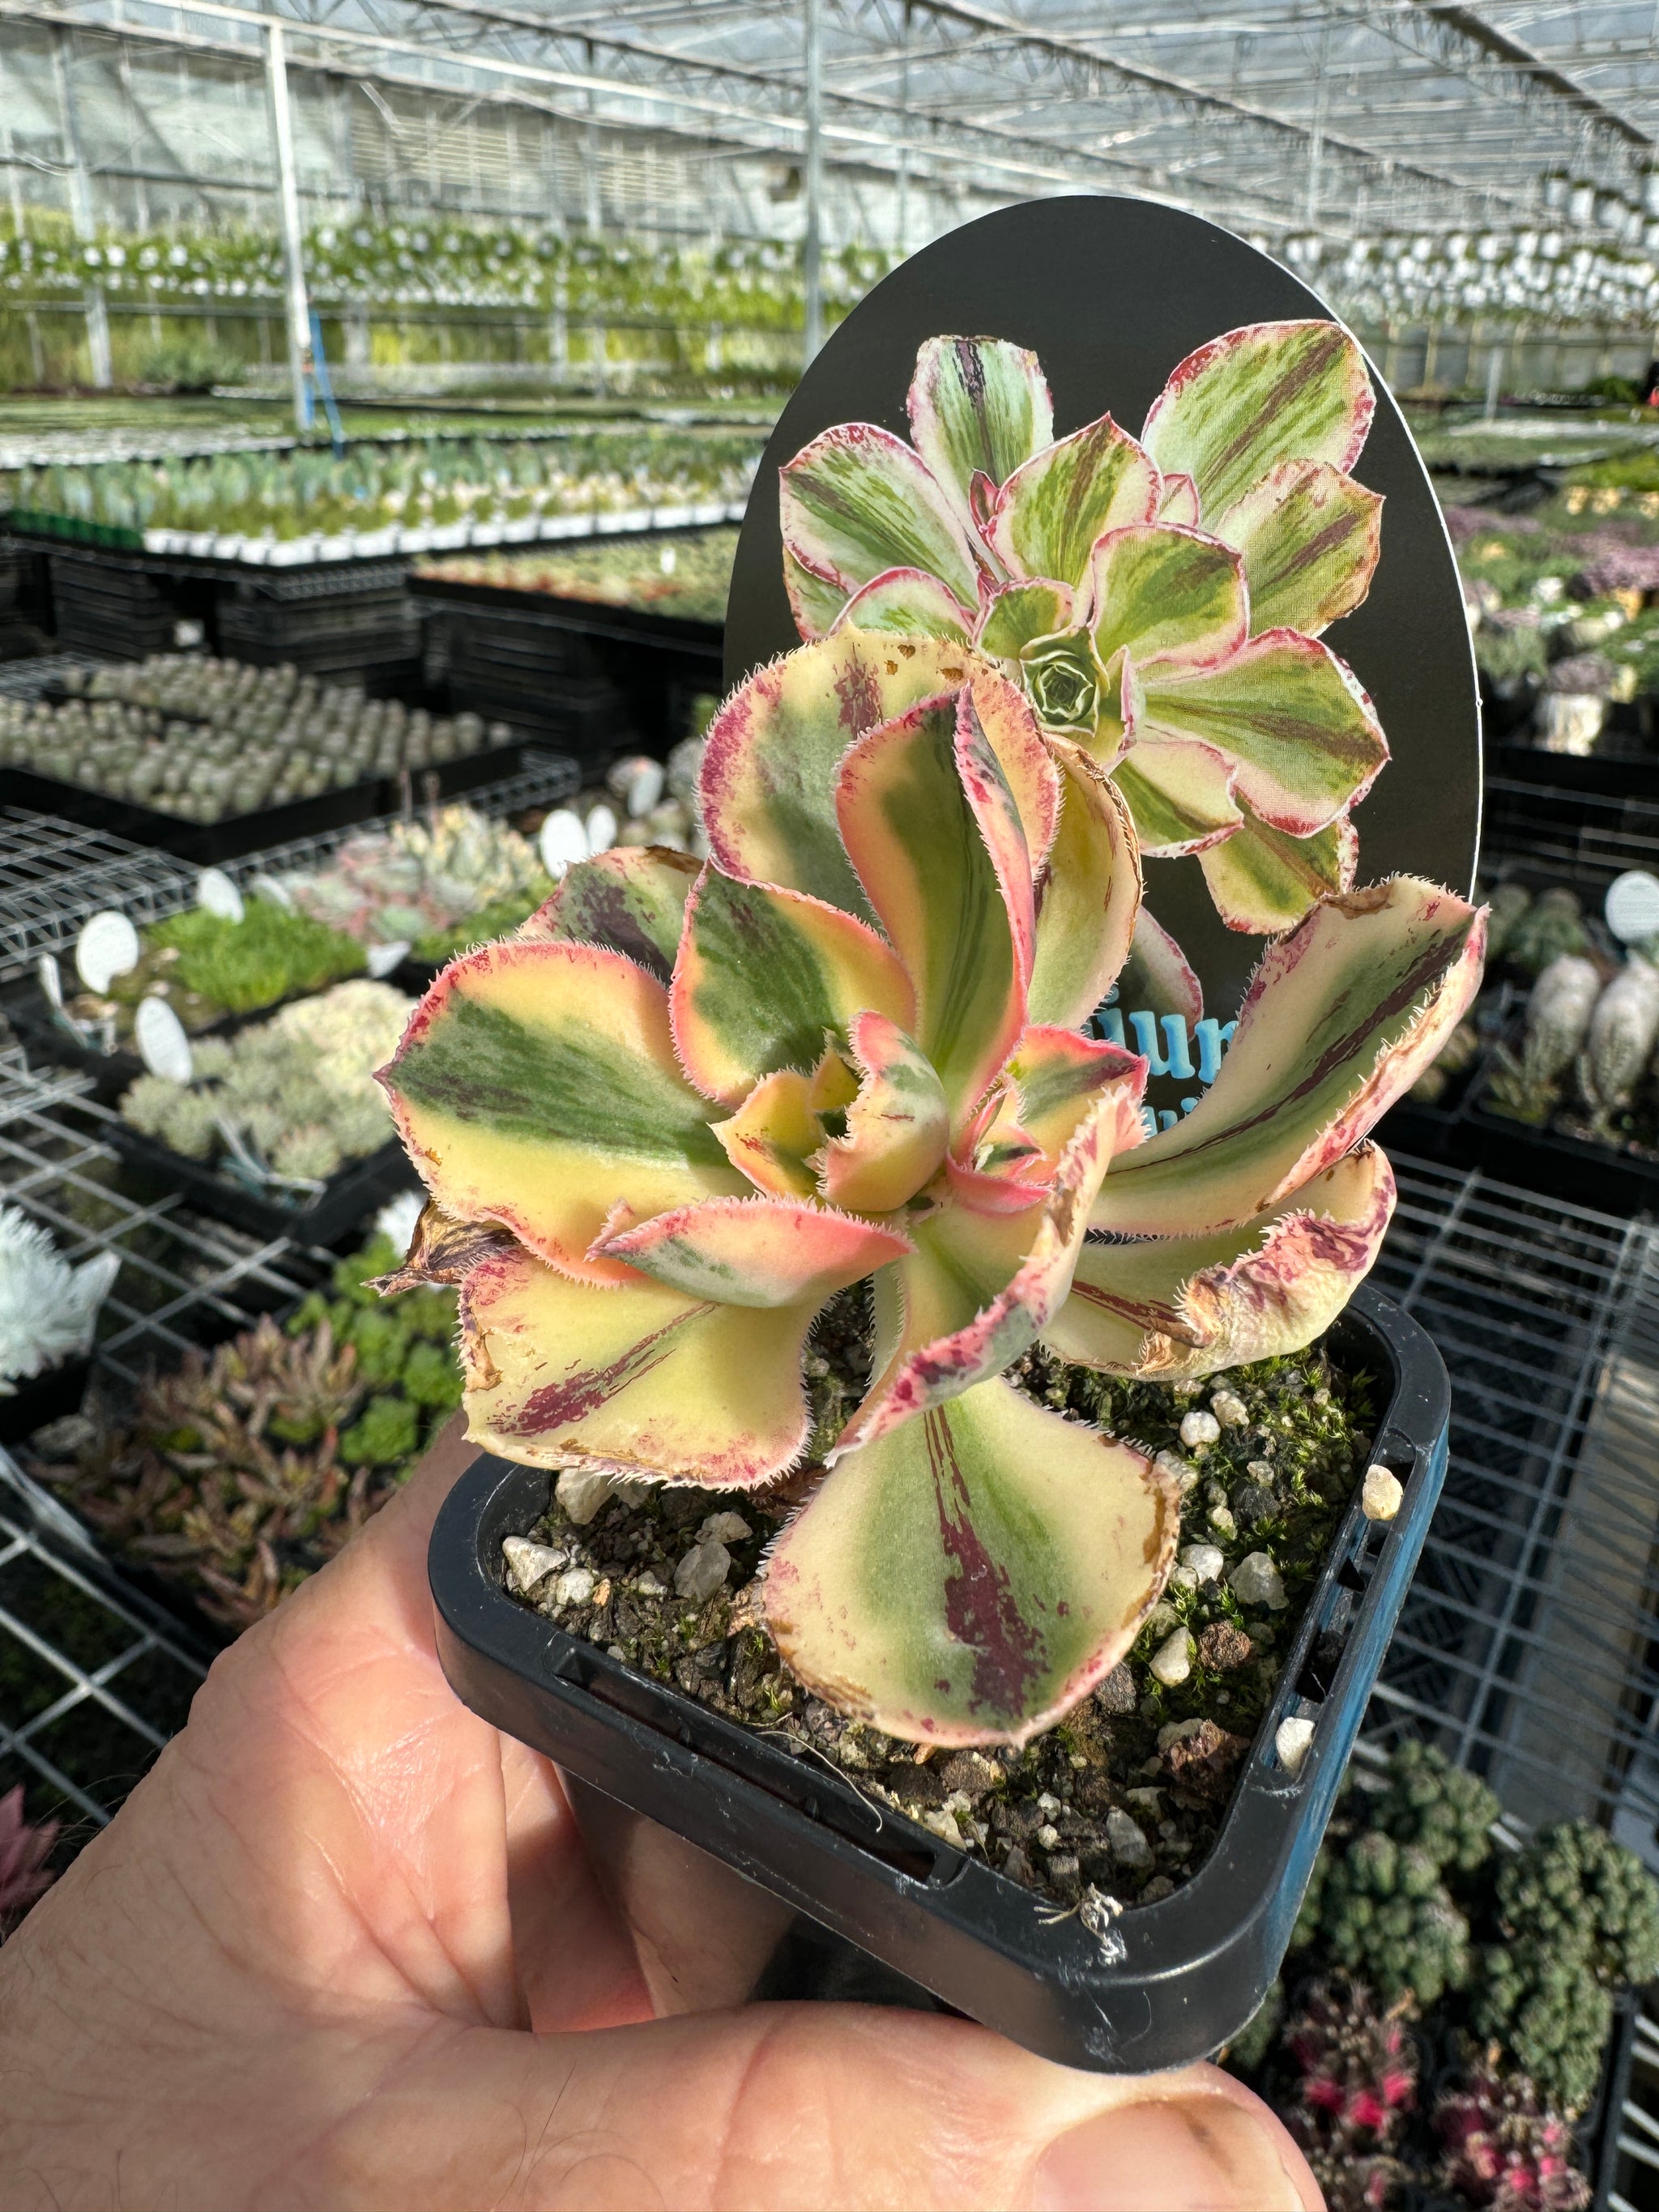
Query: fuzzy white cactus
(1623, 1031)
(1558, 1017)
(47, 1307)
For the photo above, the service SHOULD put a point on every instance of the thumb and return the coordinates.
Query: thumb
(832, 2107)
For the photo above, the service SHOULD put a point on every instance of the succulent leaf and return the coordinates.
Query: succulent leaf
(773, 1133)
(631, 900)
(1341, 1018)
(910, 602)
(1257, 396)
(815, 602)
(1178, 502)
(634, 1379)
(1157, 975)
(769, 771)
(967, 1577)
(1057, 1076)
(1049, 513)
(932, 828)
(1310, 538)
(762, 975)
(1179, 796)
(977, 406)
(998, 715)
(1179, 1308)
(984, 1279)
(858, 501)
(1286, 712)
(534, 1081)
(1170, 594)
(1088, 895)
(1019, 614)
(898, 1126)
(1263, 881)
(756, 1251)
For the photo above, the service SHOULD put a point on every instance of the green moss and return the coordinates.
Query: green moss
(387, 1433)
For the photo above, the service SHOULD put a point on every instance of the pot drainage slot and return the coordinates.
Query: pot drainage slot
(823, 1798)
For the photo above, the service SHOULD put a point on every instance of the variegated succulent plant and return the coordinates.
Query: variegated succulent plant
(683, 1107)
(1160, 600)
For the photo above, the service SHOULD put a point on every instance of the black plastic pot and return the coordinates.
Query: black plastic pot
(348, 1197)
(746, 1870)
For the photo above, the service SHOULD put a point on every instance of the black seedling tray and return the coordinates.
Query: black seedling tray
(754, 1872)
(355, 1191)
(208, 842)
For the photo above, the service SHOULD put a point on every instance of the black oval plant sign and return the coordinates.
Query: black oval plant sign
(1175, 502)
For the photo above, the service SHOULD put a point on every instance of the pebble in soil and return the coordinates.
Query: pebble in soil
(1127, 1794)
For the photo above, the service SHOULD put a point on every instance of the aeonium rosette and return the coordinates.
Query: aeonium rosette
(683, 1109)
(1160, 599)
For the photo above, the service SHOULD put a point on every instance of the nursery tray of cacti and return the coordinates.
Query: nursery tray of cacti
(824, 1867)
(240, 834)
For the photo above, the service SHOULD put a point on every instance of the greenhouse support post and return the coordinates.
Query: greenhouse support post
(813, 271)
(97, 310)
(288, 201)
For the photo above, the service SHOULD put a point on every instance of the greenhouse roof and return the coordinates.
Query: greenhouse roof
(1279, 116)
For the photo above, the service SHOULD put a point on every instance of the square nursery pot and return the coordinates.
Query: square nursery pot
(746, 1871)
(352, 1194)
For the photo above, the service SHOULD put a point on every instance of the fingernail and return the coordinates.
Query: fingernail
(1167, 2154)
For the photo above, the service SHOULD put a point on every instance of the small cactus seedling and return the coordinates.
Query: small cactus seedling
(670, 1120)
(1505, 2148)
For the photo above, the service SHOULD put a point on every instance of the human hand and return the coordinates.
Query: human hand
(342, 1948)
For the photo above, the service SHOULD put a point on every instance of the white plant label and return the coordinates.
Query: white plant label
(563, 843)
(645, 788)
(162, 1045)
(1632, 907)
(274, 888)
(216, 892)
(107, 947)
(383, 958)
(601, 830)
(51, 982)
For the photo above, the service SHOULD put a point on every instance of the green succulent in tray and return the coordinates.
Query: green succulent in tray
(270, 954)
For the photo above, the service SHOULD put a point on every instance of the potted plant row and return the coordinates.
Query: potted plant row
(900, 1466)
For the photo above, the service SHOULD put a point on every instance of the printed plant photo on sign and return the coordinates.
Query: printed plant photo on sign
(1161, 601)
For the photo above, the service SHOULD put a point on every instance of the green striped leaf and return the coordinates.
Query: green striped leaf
(911, 603)
(632, 900)
(1267, 393)
(761, 1252)
(1020, 614)
(763, 974)
(1177, 1309)
(1048, 515)
(1342, 1016)
(858, 501)
(537, 1084)
(1167, 593)
(768, 769)
(932, 827)
(1304, 741)
(1180, 797)
(1088, 895)
(1310, 538)
(634, 1379)
(1263, 881)
(773, 1133)
(897, 1127)
(977, 405)
(816, 605)
(969, 1576)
